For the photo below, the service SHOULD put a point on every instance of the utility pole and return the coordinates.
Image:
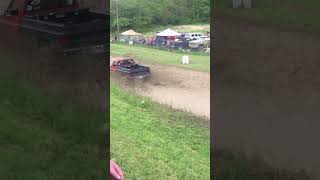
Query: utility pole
(118, 28)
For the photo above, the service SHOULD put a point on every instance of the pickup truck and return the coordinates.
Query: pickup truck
(181, 43)
(129, 68)
(60, 22)
(199, 44)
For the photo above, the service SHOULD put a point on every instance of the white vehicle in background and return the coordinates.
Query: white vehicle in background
(193, 36)
(203, 37)
(202, 44)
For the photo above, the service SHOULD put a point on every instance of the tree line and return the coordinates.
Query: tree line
(143, 14)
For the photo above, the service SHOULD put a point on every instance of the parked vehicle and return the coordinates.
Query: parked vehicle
(62, 23)
(192, 36)
(199, 45)
(180, 43)
(129, 68)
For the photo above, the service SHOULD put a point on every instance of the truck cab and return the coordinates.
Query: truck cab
(61, 21)
(130, 69)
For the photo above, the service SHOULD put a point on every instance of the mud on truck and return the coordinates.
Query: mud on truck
(61, 24)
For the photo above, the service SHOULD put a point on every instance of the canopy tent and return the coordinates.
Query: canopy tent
(131, 36)
(168, 32)
(131, 33)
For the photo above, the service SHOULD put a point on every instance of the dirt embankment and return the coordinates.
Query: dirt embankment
(180, 88)
(266, 93)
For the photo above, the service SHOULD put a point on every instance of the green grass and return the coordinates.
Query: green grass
(46, 137)
(151, 141)
(151, 55)
(285, 13)
(232, 165)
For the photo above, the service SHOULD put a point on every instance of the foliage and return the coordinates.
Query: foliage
(141, 14)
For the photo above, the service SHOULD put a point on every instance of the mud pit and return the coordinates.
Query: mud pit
(179, 88)
(266, 93)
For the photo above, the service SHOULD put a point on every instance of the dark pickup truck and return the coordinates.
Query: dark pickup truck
(130, 69)
(182, 43)
(61, 22)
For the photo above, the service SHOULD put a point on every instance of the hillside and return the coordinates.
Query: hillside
(142, 14)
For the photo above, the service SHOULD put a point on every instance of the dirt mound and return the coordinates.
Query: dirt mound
(182, 89)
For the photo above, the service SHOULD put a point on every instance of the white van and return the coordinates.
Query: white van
(193, 36)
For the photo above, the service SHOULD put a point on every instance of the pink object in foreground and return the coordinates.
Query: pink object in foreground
(115, 171)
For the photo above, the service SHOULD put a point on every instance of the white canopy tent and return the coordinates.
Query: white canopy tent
(130, 36)
(131, 33)
(168, 32)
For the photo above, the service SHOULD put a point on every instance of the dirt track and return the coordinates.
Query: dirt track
(182, 89)
(266, 95)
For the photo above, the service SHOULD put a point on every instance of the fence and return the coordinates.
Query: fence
(166, 49)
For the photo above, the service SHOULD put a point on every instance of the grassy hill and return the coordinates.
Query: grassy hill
(46, 137)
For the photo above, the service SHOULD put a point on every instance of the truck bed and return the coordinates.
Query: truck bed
(78, 30)
(135, 71)
(74, 22)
